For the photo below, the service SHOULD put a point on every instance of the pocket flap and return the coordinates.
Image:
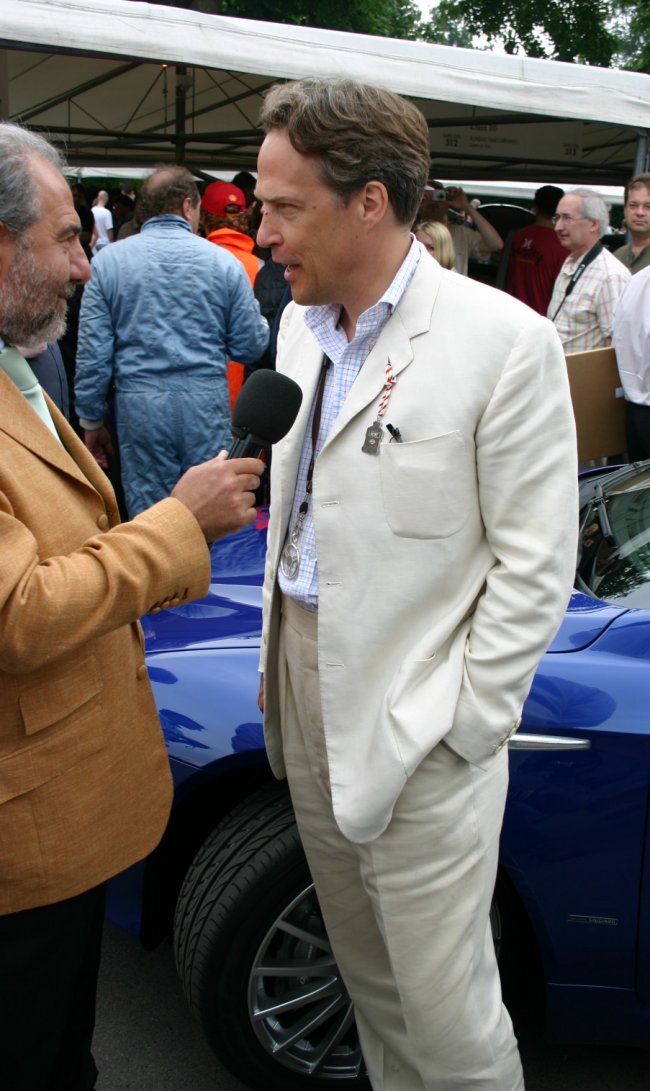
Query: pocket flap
(60, 704)
(54, 698)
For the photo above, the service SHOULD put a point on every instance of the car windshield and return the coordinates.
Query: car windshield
(614, 556)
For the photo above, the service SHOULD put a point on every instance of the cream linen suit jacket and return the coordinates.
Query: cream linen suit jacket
(85, 787)
(446, 561)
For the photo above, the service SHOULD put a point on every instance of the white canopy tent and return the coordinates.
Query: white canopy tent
(130, 84)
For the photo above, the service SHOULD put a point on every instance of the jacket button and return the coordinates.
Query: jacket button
(141, 671)
(102, 522)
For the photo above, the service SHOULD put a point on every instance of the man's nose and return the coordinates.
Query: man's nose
(267, 235)
(79, 264)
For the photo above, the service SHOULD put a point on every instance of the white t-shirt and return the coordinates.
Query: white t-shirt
(104, 224)
(467, 244)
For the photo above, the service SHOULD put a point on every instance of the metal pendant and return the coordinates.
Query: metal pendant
(373, 438)
(290, 561)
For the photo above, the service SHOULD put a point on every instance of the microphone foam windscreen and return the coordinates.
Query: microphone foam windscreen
(267, 406)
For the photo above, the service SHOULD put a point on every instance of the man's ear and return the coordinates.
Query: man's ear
(187, 208)
(376, 203)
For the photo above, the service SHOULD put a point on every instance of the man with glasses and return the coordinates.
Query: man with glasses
(591, 279)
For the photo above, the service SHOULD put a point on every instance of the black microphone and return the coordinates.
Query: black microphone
(266, 407)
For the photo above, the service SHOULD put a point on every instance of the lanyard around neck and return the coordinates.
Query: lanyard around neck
(290, 556)
(315, 429)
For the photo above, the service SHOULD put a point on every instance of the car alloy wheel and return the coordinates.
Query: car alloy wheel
(255, 961)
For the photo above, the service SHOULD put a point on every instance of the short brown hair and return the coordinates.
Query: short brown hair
(358, 133)
(165, 190)
(638, 180)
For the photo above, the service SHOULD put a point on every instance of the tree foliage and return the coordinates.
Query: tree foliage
(564, 30)
(386, 18)
(602, 32)
(633, 32)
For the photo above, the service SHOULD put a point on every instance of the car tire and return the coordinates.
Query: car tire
(254, 959)
(520, 965)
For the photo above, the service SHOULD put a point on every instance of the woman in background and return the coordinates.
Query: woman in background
(438, 241)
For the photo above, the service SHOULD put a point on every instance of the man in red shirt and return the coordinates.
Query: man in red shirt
(537, 255)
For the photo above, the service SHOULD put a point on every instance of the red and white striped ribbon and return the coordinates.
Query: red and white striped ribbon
(388, 389)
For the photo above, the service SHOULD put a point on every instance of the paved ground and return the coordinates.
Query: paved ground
(146, 1039)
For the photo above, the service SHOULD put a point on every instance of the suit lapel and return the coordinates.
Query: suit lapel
(18, 420)
(302, 360)
(84, 466)
(411, 318)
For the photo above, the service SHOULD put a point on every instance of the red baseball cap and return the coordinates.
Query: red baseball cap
(223, 199)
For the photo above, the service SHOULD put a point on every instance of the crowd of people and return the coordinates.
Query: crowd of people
(557, 264)
(560, 266)
(421, 543)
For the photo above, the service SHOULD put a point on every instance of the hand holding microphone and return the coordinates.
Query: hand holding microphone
(220, 493)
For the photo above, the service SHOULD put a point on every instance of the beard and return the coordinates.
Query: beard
(29, 302)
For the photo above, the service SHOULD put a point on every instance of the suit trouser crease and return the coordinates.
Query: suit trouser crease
(408, 913)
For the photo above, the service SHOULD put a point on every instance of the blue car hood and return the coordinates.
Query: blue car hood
(231, 613)
(585, 620)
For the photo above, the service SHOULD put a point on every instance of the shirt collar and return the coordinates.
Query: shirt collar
(572, 262)
(170, 220)
(375, 317)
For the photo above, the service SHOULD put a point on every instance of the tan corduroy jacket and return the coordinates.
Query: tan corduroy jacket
(85, 788)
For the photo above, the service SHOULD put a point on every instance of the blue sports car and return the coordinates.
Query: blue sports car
(571, 912)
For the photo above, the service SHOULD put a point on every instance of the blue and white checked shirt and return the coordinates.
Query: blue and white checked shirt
(347, 359)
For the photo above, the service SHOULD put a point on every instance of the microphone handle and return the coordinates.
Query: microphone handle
(247, 446)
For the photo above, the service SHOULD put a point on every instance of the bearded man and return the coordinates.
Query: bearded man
(84, 781)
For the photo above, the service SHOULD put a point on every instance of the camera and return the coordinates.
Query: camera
(439, 194)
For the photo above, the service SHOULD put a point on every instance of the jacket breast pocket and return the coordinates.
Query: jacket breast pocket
(426, 486)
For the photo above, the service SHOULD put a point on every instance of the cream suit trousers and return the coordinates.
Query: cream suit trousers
(408, 913)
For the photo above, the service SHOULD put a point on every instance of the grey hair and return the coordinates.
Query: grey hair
(592, 207)
(19, 202)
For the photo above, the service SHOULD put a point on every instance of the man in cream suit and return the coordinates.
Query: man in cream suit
(84, 782)
(421, 553)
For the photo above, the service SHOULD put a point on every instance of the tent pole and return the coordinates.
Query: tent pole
(181, 92)
(642, 155)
